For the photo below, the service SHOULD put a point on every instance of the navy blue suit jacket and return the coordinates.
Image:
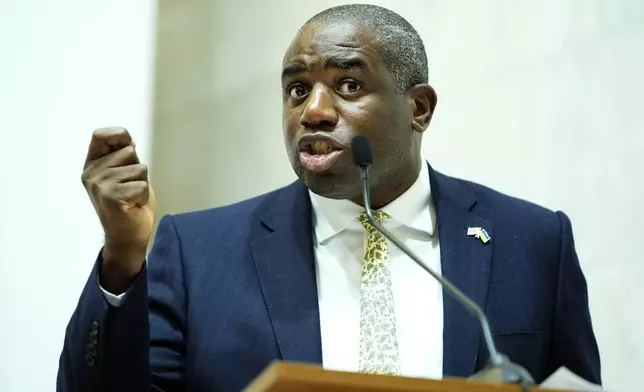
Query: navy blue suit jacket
(227, 290)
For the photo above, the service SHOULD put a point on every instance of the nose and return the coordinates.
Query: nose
(319, 112)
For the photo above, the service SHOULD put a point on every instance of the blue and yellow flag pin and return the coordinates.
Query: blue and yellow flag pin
(479, 233)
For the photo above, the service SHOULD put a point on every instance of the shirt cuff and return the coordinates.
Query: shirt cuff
(112, 299)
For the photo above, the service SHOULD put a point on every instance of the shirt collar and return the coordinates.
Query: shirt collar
(413, 209)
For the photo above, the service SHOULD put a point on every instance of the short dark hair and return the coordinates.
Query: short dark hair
(401, 48)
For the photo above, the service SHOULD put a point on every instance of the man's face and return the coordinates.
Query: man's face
(335, 86)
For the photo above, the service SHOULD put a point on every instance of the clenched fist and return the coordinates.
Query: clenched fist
(117, 184)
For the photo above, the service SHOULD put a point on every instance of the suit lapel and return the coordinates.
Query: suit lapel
(285, 263)
(465, 261)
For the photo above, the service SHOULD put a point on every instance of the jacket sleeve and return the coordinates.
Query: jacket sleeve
(138, 346)
(573, 342)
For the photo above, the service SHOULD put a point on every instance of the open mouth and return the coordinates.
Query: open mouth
(319, 154)
(320, 147)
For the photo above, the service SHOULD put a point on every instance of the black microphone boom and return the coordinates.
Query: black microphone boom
(500, 368)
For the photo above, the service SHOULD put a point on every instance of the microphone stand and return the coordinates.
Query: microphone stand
(499, 368)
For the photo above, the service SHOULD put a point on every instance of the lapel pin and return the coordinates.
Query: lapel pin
(484, 236)
(479, 233)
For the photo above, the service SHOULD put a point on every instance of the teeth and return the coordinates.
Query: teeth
(321, 147)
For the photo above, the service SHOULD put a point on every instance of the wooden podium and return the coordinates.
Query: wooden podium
(295, 377)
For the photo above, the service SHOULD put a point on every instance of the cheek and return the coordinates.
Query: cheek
(362, 115)
(371, 117)
(290, 121)
(385, 124)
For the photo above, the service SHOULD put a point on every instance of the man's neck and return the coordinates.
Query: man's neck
(383, 194)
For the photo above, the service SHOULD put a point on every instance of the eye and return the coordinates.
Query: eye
(298, 91)
(349, 86)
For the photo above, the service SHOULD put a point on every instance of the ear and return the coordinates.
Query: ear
(422, 99)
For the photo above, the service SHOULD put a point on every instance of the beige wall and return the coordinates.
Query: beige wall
(540, 99)
(66, 68)
(218, 104)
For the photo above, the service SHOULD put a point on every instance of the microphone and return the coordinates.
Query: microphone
(499, 369)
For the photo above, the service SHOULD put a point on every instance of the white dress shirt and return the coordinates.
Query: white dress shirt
(340, 242)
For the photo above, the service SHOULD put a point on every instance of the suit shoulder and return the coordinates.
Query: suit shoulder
(519, 225)
(503, 207)
(237, 212)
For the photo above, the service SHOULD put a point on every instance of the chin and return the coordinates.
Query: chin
(331, 186)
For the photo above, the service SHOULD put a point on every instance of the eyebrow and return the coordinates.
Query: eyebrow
(346, 63)
(293, 69)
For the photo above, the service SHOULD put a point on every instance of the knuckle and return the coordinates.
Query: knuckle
(85, 177)
(143, 170)
(101, 188)
(89, 181)
(129, 151)
(107, 132)
(143, 190)
(107, 189)
(101, 133)
(93, 187)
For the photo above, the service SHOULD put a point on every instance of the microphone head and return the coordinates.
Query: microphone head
(362, 152)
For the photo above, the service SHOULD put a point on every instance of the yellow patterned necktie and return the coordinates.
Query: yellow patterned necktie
(378, 344)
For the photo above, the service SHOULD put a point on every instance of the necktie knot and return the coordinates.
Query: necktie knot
(378, 216)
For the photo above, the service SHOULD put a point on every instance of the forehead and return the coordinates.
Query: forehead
(318, 41)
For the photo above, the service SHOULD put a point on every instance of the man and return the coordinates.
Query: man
(286, 276)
